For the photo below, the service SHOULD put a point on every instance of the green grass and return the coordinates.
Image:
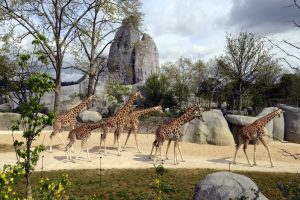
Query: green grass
(136, 183)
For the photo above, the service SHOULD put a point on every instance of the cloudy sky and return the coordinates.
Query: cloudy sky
(197, 28)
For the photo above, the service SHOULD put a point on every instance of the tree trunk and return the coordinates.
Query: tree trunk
(240, 100)
(57, 92)
(27, 171)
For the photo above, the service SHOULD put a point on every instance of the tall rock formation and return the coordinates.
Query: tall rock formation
(131, 59)
(146, 58)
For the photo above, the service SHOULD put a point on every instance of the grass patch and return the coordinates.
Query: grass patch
(136, 183)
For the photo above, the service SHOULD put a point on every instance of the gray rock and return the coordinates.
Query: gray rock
(120, 62)
(291, 123)
(215, 130)
(275, 126)
(130, 59)
(89, 116)
(6, 120)
(226, 185)
(146, 58)
(240, 120)
(6, 107)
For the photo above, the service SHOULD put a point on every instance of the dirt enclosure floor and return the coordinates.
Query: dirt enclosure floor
(195, 155)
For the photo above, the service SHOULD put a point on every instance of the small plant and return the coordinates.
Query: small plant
(159, 185)
(116, 90)
(290, 191)
(49, 189)
(8, 177)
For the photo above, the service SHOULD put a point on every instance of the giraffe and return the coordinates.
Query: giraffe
(255, 131)
(132, 122)
(82, 133)
(118, 120)
(69, 118)
(171, 131)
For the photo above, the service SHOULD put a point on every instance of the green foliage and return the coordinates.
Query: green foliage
(159, 185)
(8, 177)
(291, 191)
(32, 123)
(75, 95)
(158, 91)
(52, 189)
(116, 90)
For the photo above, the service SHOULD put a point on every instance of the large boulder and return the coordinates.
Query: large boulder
(226, 185)
(291, 123)
(275, 126)
(6, 118)
(6, 107)
(89, 116)
(214, 130)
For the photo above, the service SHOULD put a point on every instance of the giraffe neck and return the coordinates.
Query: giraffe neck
(186, 117)
(81, 106)
(126, 108)
(264, 120)
(94, 126)
(145, 111)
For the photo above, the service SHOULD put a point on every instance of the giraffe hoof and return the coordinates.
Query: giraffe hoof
(233, 163)
(272, 166)
(254, 164)
(73, 161)
(183, 161)
(149, 157)
(251, 165)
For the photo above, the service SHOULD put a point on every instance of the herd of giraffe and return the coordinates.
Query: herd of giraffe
(170, 131)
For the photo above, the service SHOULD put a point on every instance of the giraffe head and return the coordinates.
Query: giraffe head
(138, 94)
(198, 112)
(279, 112)
(159, 109)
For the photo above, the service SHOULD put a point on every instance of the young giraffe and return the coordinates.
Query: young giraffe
(255, 131)
(171, 131)
(132, 122)
(118, 120)
(68, 118)
(82, 133)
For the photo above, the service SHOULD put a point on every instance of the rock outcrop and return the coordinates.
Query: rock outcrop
(89, 116)
(214, 130)
(226, 185)
(291, 123)
(131, 59)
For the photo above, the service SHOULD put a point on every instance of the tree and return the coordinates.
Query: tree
(32, 124)
(42, 19)
(180, 76)
(94, 29)
(15, 73)
(213, 82)
(245, 55)
(158, 91)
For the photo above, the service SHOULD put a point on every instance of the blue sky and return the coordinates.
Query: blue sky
(197, 28)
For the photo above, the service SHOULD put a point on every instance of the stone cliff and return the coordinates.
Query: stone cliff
(131, 59)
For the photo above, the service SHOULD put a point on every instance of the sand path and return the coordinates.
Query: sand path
(195, 155)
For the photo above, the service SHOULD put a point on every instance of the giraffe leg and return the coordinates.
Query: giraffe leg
(235, 153)
(175, 153)
(254, 155)
(152, 149)
(266, 146)
(128, 134)
(245, 148)
(119, 131)
(169, 142)
(180, 153)
(87, 151)
(156, 148)
(161, 156)
(81, 149)
(135, 137)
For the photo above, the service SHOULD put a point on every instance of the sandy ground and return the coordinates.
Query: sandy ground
(195, 155)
